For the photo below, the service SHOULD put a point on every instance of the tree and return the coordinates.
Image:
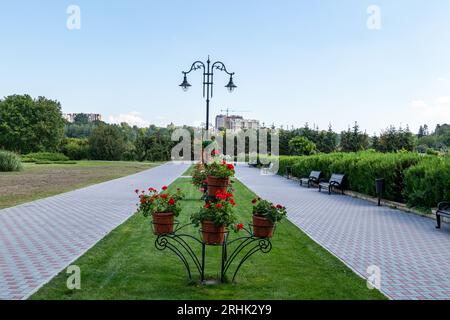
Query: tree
(354, 140)
(154, 144)
(392, 140)
(326, 140)
(30, 125)
(300, 146)
(375, 142)
(107, 142)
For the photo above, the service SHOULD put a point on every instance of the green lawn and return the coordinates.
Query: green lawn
(37, 181)
(126, 265)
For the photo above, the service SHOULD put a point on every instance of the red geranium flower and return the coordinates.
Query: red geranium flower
(143, 200)
(240, 226)
(164, 188)
(172, 202)
(279, 206)
(219, 205)
(230, 167)
(137, 191)
(164, 196)
(206, 206)
(254, 201)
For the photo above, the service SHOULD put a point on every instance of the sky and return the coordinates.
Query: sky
(320, 61)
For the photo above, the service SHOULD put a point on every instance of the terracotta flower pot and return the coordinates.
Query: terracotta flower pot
(212, 234)
(163, 222)
(216, 184)
(262, 227)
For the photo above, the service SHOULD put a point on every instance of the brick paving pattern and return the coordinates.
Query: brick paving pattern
(41, 238)
(413, 256)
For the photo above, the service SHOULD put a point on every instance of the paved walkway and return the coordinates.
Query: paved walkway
(41, 238)
(414, 257)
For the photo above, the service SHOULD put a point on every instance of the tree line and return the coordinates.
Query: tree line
(36, 125)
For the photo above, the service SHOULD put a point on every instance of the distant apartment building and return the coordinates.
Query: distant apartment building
(70, 117)
(235, 123)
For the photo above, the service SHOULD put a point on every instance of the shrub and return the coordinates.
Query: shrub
(44, 157)
(9, 161)
(428, 183)
(76, 149)
(301, 146)
(361, 169)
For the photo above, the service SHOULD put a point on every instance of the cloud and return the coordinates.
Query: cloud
(418, 104)
(443, 100)
(441, 79)
(132, 118)
(437, 111)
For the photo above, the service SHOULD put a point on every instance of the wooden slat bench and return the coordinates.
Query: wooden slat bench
(314, 177)
(443, 211)
(336, 181)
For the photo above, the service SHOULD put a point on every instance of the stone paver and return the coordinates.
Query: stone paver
(414, 257)
(41, 238)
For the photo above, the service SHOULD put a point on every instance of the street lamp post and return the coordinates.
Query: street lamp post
(208, 77)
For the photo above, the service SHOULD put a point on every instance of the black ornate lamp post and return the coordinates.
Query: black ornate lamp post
(208, 76)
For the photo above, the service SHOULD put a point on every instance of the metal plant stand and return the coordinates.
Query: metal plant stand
(246, 246)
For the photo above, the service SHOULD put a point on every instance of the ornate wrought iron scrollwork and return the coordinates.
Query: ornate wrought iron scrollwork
(220, 66)
(163, 242)
(176, 242)
(263, 245)
(195, 66)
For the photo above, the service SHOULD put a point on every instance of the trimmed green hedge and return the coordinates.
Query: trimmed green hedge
(419, 180)
(428, 183)
(44, 156)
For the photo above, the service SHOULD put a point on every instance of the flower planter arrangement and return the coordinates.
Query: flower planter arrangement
(218, 176)
(215, 216)
(162, 206)
(265, 216)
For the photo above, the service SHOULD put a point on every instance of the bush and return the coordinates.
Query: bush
(76, 149)
(9, 161)
(361, 169)
(44, 157)
(428, 183)
(301, 146)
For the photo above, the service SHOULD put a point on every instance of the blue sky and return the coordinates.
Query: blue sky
(295, 61)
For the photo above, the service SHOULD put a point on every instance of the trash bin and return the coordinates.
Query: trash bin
(379, 187)
(288, 172)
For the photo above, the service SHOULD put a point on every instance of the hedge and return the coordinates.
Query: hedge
(44, 156)
(419, 180)
(428, 183)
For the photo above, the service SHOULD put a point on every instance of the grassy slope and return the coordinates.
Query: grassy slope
(44, 180)
(126, 265)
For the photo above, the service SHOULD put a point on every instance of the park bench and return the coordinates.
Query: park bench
(267, 168)
(314, 177)
(336, 181)
(444, 211)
